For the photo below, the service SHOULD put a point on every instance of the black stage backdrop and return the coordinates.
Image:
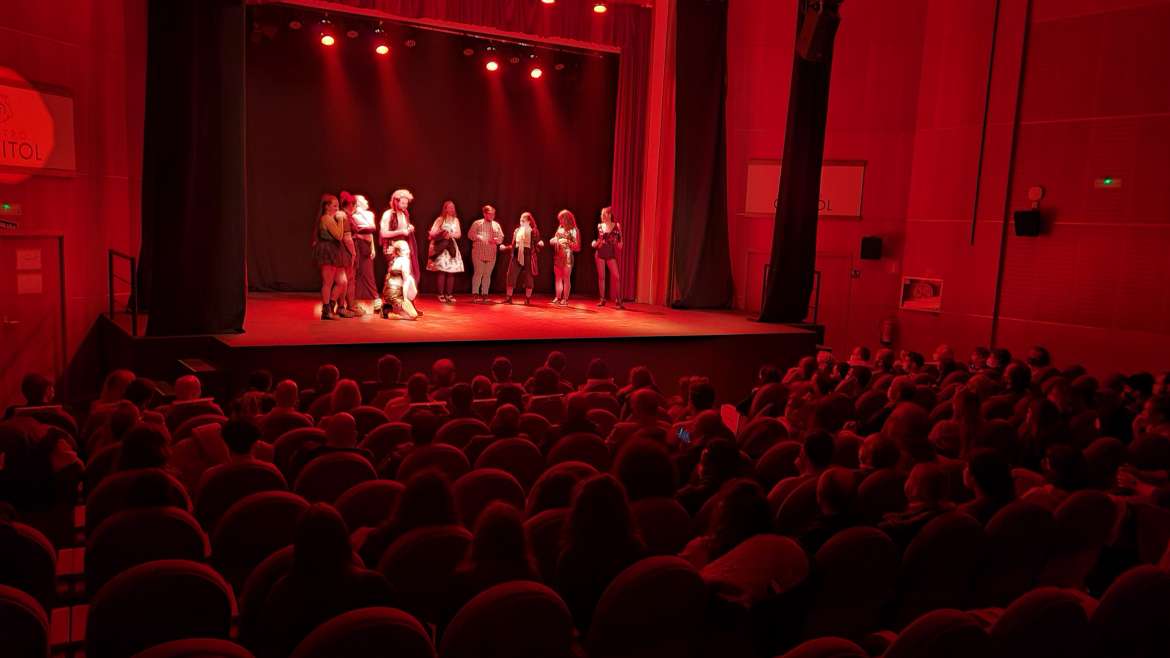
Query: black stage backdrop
(429, 119)
(192, 258)
(700, 257)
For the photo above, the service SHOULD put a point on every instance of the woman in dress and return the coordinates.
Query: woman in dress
(396, 226)
(526, 245)
(329, 254)
(364, 226)
(606, 247)
(444, 257)
(565, 242)
(396, 293)
(345, 307)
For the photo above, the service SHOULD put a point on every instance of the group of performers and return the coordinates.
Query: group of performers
(348, 237)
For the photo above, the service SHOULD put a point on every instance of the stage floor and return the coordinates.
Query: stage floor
(294, 319)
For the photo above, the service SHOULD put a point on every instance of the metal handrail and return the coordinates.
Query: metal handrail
(133, 281)
(814, 308)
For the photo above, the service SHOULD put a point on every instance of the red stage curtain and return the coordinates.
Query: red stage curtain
(625, 26)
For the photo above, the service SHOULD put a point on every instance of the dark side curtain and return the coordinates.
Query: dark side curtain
(794, 238)
(193, 210)
(700, 257)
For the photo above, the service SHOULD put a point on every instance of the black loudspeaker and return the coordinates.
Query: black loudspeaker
(818, 29)
(871, 248)
(1028, 223)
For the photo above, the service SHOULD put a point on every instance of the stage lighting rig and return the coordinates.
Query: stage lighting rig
(326, 32)
(381, 43)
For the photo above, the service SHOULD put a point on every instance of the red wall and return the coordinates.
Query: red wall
(96, 49)
(908, 94)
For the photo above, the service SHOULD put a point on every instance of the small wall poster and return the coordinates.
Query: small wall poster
(921, 294)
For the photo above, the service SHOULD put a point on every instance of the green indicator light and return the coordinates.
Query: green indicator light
(6, 206)
(1107, 181)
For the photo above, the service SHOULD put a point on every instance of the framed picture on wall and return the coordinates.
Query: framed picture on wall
(921, 294)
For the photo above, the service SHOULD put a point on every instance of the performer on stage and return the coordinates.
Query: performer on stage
(345, 308)
(486, 236)
(329, 254)
(525, 247)
(565, 242)
(396, 226)
(606, 247)
(364, 226)
(443, 256)
(400, 287)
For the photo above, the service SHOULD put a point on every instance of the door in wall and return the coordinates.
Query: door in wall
(31, 311)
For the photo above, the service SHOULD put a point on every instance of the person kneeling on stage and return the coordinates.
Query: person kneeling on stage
(526, 245)
(400, 287)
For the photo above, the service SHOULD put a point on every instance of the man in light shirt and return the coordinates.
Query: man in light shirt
(486, 236)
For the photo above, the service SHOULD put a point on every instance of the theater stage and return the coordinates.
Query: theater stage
(283, 332)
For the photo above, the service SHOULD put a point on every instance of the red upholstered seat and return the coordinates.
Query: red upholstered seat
(604, 419)
(367, 504)
(255, 592)
(24, 626)
(196, 648)
(939, 566)
(222, 487)
(581, 447)
(520, 457)
(367, 419)
(949, 633)
(761, 566)
(664, 525)
(827, 647)
(1131, 619)
(446, 458)
(290, 442)
(29, 562)
(275, 425)
(458, 432)
(799, 509)
(855, 574)
(419, 564)
(367, 632)
(602, 400)
(382, 440)
(1085, 523)
(484, 408)
(325, 478)
(112, 494)
(137, 536)
(784, 489)
(653, 608)
(758, 436)
(777, 463)
(180, 412)
(882, 492)
(100, 465)
(1044, 622)
(550, 407)
(1019, 542)
(518, 619)
(157, 602)
(476, 490)
(536, 428)
(184, 431)
(544, 533)
(253, 529)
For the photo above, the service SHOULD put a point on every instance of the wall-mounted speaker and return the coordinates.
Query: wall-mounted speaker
(1028, 223)
(871, 248)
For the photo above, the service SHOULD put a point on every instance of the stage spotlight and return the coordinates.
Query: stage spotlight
(600, 8)
(351, 34)
(536, 72)
(381, 45)
(410, 43)
(492, 65)
(294, 24)
(468, 52)
(549, 2)
(327, 33)
(382, 49)
(559, 66)
(514, 59)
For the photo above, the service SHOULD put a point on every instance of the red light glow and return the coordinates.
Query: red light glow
(327, 40)
(599, 8)
(536, 72)
(492, 65)
(549, 2)
(382, 49)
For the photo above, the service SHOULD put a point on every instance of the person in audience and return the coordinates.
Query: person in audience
(855, 382)
(883, 362)
(499, 553)
(322, 582)
(501, 371)
(909, 425)
(944, 358)
(927, 496)
(644, 415)
(459, 399)
(123, 415)
(505, 423)
(859, 356)
(877, 452)
(113, 388)
(37, 391)
(999, 360)
(769, 400)
(327, 376)
(989, 476)
(241, 435)
(977, 361)
(1038, 359)
(700, 397)
(801, 372)
(640, 377)
(341, 435)
(836, 491)
(552, 490)
(426, 501)
(741, 513)
(544, 381)
(644, 468)
(284, 413)
(1154, 418)
(481, 388)
(187, 388)
(346, 396)
(576, 419)
(257, 396)
(767, 374)
(443, 377)
(719, 462)
(418, 389)
(389, 372)
(599, 542)
(144, 446)
(598, 377)
(1065, 473)
(191, 457)
(142, 393)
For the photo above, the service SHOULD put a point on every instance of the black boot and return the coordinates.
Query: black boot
(385, 311)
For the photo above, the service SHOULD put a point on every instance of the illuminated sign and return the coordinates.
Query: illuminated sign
(36, 130)
(842, 183)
